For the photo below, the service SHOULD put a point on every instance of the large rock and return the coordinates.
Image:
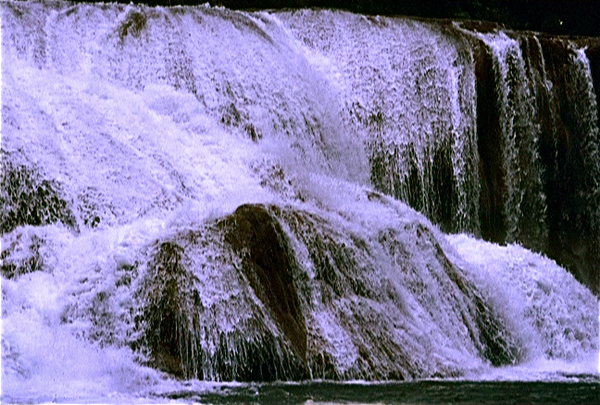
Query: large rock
(220, 303)
(271, 293)
(267, 262)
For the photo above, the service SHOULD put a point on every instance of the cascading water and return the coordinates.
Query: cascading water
(409, 91)
(465, 127)
(522, 216)
(198, 193)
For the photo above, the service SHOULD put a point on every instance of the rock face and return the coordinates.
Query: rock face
(482, 129)
(115, 124)
(337, 316)
(170, 315)
(267, 264)
(245, 324)
(27, 198)
(556, 150)
(569, 149)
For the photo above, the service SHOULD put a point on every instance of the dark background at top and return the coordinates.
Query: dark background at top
(569, 17)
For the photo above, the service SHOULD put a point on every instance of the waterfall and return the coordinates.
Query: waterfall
(199, 193)
(457, 124)
(410, 93)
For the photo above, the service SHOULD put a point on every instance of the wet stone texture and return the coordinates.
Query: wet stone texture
(245, 256)
(560, 217)
(537, 145)
(266, 262)
(27, 198)
(230, 301)
(14, 262)
(569, 154)
(168, 315)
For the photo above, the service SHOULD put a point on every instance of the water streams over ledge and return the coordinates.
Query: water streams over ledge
(225, 196)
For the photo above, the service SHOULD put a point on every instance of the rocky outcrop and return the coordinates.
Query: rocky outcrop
(493, 189)
(21, 254)
(559, 212)
(267, 263)
(275, 293)
(569, 149)
(147, 138)
(220, 303)
(27, 198)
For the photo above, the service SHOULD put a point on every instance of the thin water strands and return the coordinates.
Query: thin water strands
(198, 193)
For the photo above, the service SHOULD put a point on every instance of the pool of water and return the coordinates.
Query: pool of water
(585, 390)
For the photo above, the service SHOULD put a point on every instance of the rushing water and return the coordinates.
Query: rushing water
(194, 196)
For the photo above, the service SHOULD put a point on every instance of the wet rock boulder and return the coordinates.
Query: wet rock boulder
(277, 293)
(267, 261)
(218, 303)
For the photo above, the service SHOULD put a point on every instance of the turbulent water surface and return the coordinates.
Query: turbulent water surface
(206, 205)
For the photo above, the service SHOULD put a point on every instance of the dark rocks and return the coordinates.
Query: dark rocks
(569, 152)
(491, 154)
(132, 25)
(186, 338)
(559, 214)
(28, 199)
(485, 326)
(231, 301)
(444, 188)
(14, 262)
(170, 314)
(267, 262)
(553, 124)
(593, 53)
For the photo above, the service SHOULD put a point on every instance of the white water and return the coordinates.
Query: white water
(151, 134)
(409, 90)
(541, 298)
(520, 133)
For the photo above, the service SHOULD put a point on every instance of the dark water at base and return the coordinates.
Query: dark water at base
(423, 392)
